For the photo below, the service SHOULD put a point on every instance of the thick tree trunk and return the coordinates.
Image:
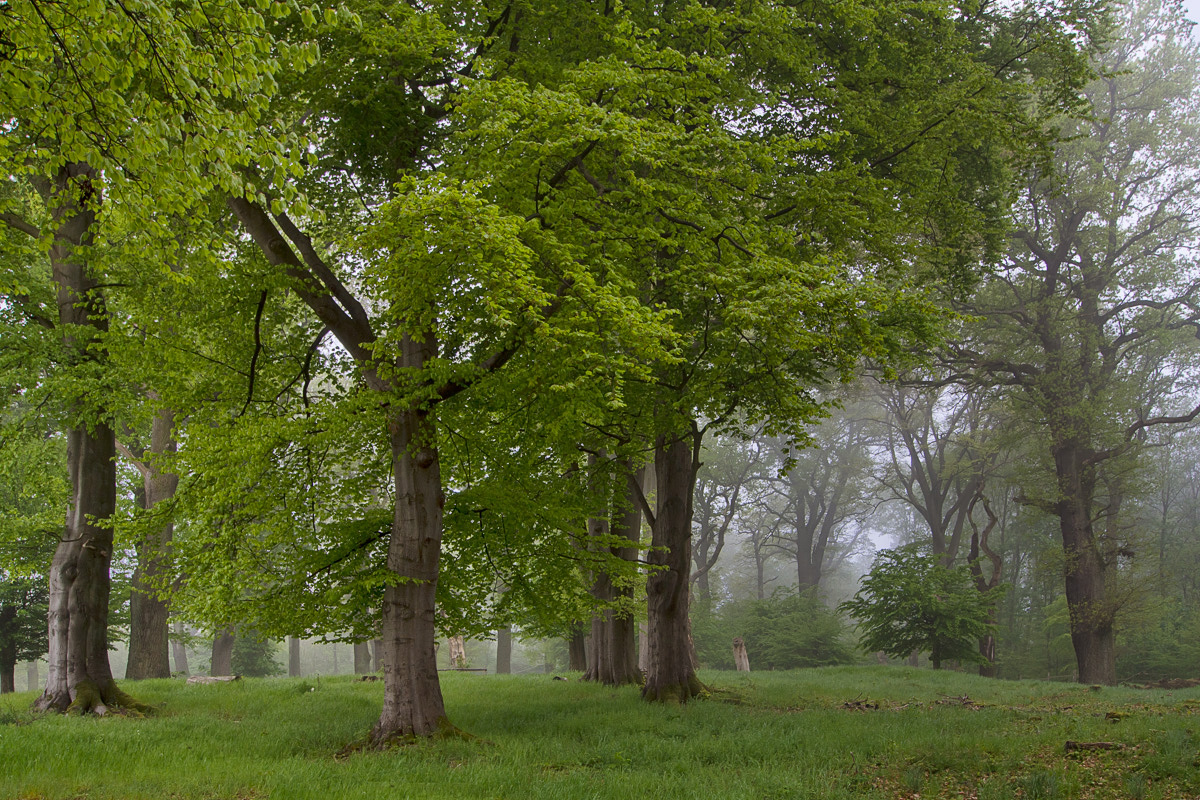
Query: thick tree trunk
(79, 676)
(577, 657)
(1091, 610)
(293, 657)
(178, 650)
(222, 654)
(504, 651)
(362, 658)
(671, 675)
(149, 649)
(412, 700)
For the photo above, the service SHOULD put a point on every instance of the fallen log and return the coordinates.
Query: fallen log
(214, 679)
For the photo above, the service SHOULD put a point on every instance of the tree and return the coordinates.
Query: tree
(1086, 318)
(23, 607)
(910, 602)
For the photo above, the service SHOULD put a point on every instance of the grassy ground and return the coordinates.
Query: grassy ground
(871, 732)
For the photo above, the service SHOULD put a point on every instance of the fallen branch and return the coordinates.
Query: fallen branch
(214, 679)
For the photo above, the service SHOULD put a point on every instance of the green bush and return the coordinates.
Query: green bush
(256, 658)
(785, 631)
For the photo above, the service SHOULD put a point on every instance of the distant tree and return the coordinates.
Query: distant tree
(910, 602)
(255, 657)
(23, 607)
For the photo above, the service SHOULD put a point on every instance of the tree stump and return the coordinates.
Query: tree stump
(740, 657)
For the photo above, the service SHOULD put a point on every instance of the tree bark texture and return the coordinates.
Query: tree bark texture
(222, 654)
(149, 648)
(79, 676)
(377, 655)
(458, 652)
(504, 651)
(577, 649)
(413, 704)
(8, 668)
(31, 676)
(671, 676)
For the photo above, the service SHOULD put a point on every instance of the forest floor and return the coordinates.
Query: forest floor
(860, 732)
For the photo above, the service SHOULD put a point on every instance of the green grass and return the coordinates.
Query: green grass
(868, 732)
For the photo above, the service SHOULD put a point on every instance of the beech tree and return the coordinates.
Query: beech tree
(1089, 319)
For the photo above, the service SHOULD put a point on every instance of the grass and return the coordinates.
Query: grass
(865, 732)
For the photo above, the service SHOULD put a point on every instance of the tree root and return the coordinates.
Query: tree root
(375, 742)
(92, 698)
(676, 693)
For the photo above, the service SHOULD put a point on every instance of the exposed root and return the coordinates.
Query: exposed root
(374, 741)
(91, 698)
(676, 693)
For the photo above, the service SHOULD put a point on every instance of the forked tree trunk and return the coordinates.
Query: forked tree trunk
(293, 657)
(149, 648)
(362, 658)
(412, 699)
(504, 651)
(613, 657)
(80, 677)
(671, 676)
(178, 650)
(222, 654)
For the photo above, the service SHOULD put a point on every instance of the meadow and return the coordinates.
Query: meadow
(856, 732)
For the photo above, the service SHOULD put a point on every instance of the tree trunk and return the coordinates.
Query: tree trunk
(412, 698)
(149, 649)
(613, 656)
(458, 652)
(577, 659)
(79, 676)
(222, 654)
(987, 649)
(362, 658)
(1085, 571)
(293, 657)
(377, 655)
(31, 677)
(179, 650)
(644, 647)
(8, 668)
(504, 651)
(671, 675)
(741, 659)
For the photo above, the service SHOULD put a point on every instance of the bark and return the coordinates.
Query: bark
(362, 658)
(178, 650)
(741, 658)
(979, 546)
(504, 651)
(8, 668)
(413, 705)
(149, 648)
(293, 657)
(672, 676)
(80, 677)
(222, 654)
(458, 652)
(1085, 570)
(577, 658)
(377, 653)
(612, 659)
(31, 676)
(644, 647)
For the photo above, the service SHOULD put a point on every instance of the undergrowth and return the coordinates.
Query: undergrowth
(844, 732)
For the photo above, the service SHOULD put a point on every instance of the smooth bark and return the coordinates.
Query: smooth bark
(362, 658)
(79, 675)
(178, 650)
(293, 657)
(504, 650)
(222, 654)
